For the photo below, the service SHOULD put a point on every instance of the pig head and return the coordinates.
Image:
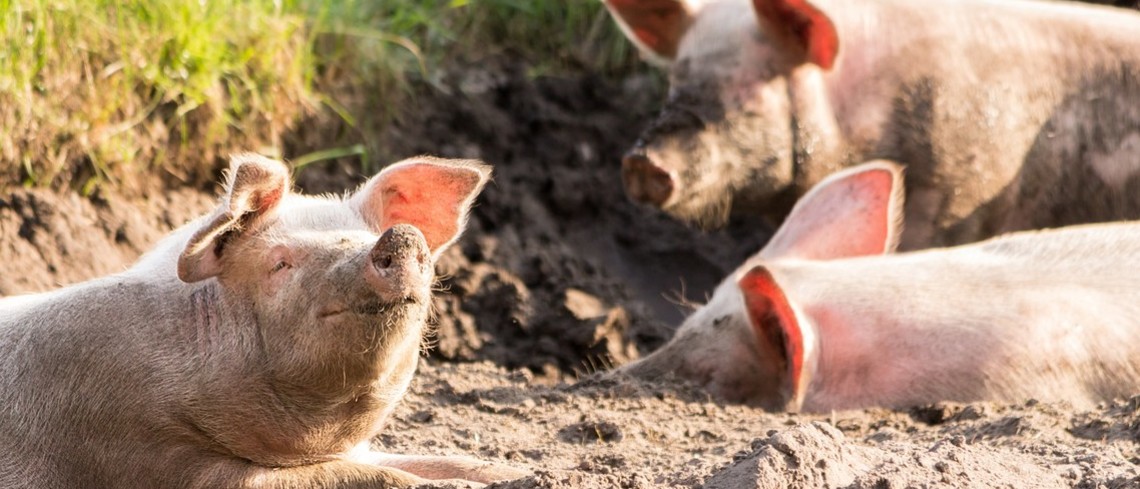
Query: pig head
(748, 344)
(262, 345)
(1007, 114)
(825, 317)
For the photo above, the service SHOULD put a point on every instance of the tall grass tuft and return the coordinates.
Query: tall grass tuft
(98, 93)
(95, 91)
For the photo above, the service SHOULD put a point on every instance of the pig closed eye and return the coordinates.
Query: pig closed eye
(720, 320)
(281, 265)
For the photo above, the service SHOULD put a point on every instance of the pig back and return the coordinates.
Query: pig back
(1050, 315)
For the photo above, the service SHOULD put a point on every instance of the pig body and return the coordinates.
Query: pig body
(262, 345)
(1008, 114)
(815, 322)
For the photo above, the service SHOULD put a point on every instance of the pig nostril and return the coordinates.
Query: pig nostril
(645, 181)
(400, 246)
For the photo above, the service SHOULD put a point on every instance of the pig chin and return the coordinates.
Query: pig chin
(706, 210)
(739, 382)
(699, 195)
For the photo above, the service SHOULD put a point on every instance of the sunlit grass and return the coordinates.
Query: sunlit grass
(97, 92)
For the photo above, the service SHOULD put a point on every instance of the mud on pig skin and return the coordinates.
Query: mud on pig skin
(261, 345)
(825, 318)
(1008, 114)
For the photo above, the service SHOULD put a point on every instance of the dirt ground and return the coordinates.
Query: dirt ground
(559, 276)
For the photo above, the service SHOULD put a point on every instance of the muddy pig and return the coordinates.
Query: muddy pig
(822, 318)
(260, 346)
(1008, 114)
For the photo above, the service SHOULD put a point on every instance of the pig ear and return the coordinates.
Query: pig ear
(254, 187)
(777, 328)
(855, 212)
(655, 26)
(802, 24)
(431, 194)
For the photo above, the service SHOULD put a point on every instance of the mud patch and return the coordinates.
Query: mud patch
(49, 239)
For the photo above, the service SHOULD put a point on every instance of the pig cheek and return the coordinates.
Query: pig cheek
(759, 162)
(741, 376)
(700, 189)
(743, 159)
(710, 365)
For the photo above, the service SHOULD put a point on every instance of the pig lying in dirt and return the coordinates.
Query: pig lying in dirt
(1008, 114)
(260, 346)
(821, 319)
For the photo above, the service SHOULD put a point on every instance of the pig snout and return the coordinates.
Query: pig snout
(645, 181)
(399, 265)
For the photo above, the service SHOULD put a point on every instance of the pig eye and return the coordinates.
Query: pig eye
(720, 320)
(281, 265)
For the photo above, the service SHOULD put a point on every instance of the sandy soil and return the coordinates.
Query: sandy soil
(560, 276)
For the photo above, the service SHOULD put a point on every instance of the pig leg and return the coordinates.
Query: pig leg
(441, 467)
(340, 474)
(454, 467)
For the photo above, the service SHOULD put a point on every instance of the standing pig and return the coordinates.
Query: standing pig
(260, 346)
(1008, 114)
(821, 319)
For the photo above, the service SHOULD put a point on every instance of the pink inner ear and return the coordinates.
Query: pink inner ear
(844, 216)
(869, 216)
(658, 24)
(269, 199)
(807, 25)
(430, 197)
(763, 299)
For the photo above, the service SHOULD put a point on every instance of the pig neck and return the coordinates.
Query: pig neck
(882, 337)
(857, 110)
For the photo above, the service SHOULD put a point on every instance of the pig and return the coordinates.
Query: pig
(825, 317)
(259, 346)
(1008, 114)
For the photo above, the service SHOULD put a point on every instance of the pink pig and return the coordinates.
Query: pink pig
(260, 346)
(1008, 114)
(824, 317)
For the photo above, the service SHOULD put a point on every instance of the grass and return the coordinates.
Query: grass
(109, 93)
